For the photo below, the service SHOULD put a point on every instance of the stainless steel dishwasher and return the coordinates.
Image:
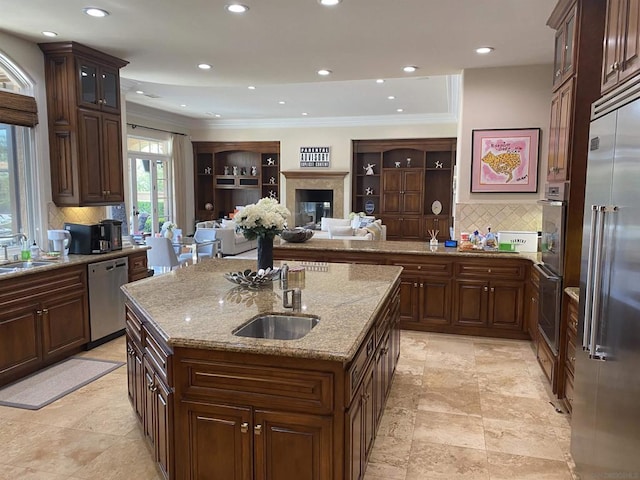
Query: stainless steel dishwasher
(106, 300)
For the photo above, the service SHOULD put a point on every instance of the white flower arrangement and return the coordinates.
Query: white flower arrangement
(265, 219)
(353, 215)
(169, 226)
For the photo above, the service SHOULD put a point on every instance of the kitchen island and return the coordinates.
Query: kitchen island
(216, 405)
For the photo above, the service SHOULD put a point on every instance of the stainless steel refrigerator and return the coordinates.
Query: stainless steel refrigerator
(605, 439)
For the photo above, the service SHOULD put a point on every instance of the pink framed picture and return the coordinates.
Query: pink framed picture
(505, 161)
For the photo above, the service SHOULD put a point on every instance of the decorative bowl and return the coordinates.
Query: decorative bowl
(249, 278)
(296, 235)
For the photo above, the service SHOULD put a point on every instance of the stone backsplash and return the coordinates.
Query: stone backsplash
(58, 215)
(479, 216)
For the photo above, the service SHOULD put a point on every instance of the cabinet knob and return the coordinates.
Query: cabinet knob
(244, 427)
(493, 289)
(573, 359)
(257, 429)
(419, 267)
(421, 285)
(38, 312)
(415, 284)
(486, 289)
(557, 73)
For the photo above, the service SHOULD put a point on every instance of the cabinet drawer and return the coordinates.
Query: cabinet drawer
(535, 278)
(260, 386)
(356, 370)
(157, 355)
(59, 281)
(134, 327)
(568, 390)
(494, 270)
(572, 317)
(414, 265)
(571, 354)
(546, 360)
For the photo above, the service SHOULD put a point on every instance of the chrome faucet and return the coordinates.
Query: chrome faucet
(296, 299)
(20, 236)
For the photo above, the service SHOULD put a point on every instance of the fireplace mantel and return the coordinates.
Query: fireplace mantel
(313, 174)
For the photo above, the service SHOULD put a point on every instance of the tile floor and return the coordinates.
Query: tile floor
(460, 408)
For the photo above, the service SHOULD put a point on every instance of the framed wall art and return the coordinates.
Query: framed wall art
(505, 161)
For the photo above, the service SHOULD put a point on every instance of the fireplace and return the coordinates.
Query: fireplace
(311, 206)
(325, 187)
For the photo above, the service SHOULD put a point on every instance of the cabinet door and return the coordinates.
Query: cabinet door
(289, 446)
(20, 348)
(392, 192)
(612, 41)
(534, 306)
(88, 88)
(109, 88)
(561, 108)
(411, 189)
(65, 324)
(435, 301)
(506, 301)
(90, 153)
(164, 426)
(630, 48)
(437, 223)
(111, 159)
(149, 412)
(384, 373)
(354, 444)
(135, 378)
(411, 228)
(471, 298)
(409, 298)
(220, 442)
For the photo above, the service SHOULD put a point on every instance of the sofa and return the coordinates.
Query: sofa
(360, 228)
(231, 243)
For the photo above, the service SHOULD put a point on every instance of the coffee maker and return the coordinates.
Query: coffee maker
(112, 233)
(87, 238)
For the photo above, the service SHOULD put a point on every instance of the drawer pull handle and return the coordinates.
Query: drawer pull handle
(257, 429)
(244, 427)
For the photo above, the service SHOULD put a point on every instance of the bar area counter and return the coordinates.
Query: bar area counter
(216, 405)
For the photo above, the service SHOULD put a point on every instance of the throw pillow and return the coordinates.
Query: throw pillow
(327, 222)
(341, 231)
(361, 232)
(376, 229)
(364, 221)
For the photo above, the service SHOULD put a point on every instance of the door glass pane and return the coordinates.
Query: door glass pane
(142, 196)
(89, 84)
(568, 56)
(163, 193)
(110, 89)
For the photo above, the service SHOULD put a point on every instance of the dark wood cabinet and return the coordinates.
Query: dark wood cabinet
(564, 52)
(567, 354)
(138, 268)
(85, 127)
(533, 304)
(560, 133)
(44, 319)
(621, 53)
(227, 174)
(406, 183)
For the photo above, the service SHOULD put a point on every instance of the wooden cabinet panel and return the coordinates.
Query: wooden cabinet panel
(219, 442)
(83, 104)
(506, 301)
(135, 376)
(409, 298)
(163, 428)
(138, 268)
(292, 446)
(64, 323)
(471, 303)
(435, 301)
(563, 65)
(20, 341)
(621, 54)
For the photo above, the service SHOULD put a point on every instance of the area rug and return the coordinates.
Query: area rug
(48, 385)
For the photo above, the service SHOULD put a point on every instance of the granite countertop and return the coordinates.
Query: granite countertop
(395, 246)
(69, 260)
(197, 307)
(573, 292)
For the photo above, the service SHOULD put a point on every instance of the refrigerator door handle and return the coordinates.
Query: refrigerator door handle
(588, 305)
(597, 283)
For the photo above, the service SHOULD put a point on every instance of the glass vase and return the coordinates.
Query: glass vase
(265, 253)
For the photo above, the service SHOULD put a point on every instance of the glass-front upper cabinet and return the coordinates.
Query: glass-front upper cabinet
(563, 59)
(99, 87)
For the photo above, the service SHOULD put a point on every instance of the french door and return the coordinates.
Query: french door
(150, 187)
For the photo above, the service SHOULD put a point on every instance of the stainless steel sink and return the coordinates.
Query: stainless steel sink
(8, 270)
(278, 327)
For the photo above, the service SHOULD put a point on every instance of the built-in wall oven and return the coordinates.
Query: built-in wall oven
(551, 270)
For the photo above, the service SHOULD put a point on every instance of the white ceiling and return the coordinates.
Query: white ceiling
(278, 45)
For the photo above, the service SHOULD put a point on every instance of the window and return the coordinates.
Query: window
(18, 185)
(150, 184)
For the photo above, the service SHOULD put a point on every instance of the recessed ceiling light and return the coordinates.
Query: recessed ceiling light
(484, 50)
(400, 110)
(410, 68)
(95, 12)
(391, 97)
(49, 34)
(217, 115)
(324, 72)
(380, 80)
(251, 87)
(304, 114)
(183, 105)
(139, 92)
(281, 102)
(204, 66)
(236, 8)
(329, 3)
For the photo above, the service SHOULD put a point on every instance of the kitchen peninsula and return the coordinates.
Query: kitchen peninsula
(217, 405)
